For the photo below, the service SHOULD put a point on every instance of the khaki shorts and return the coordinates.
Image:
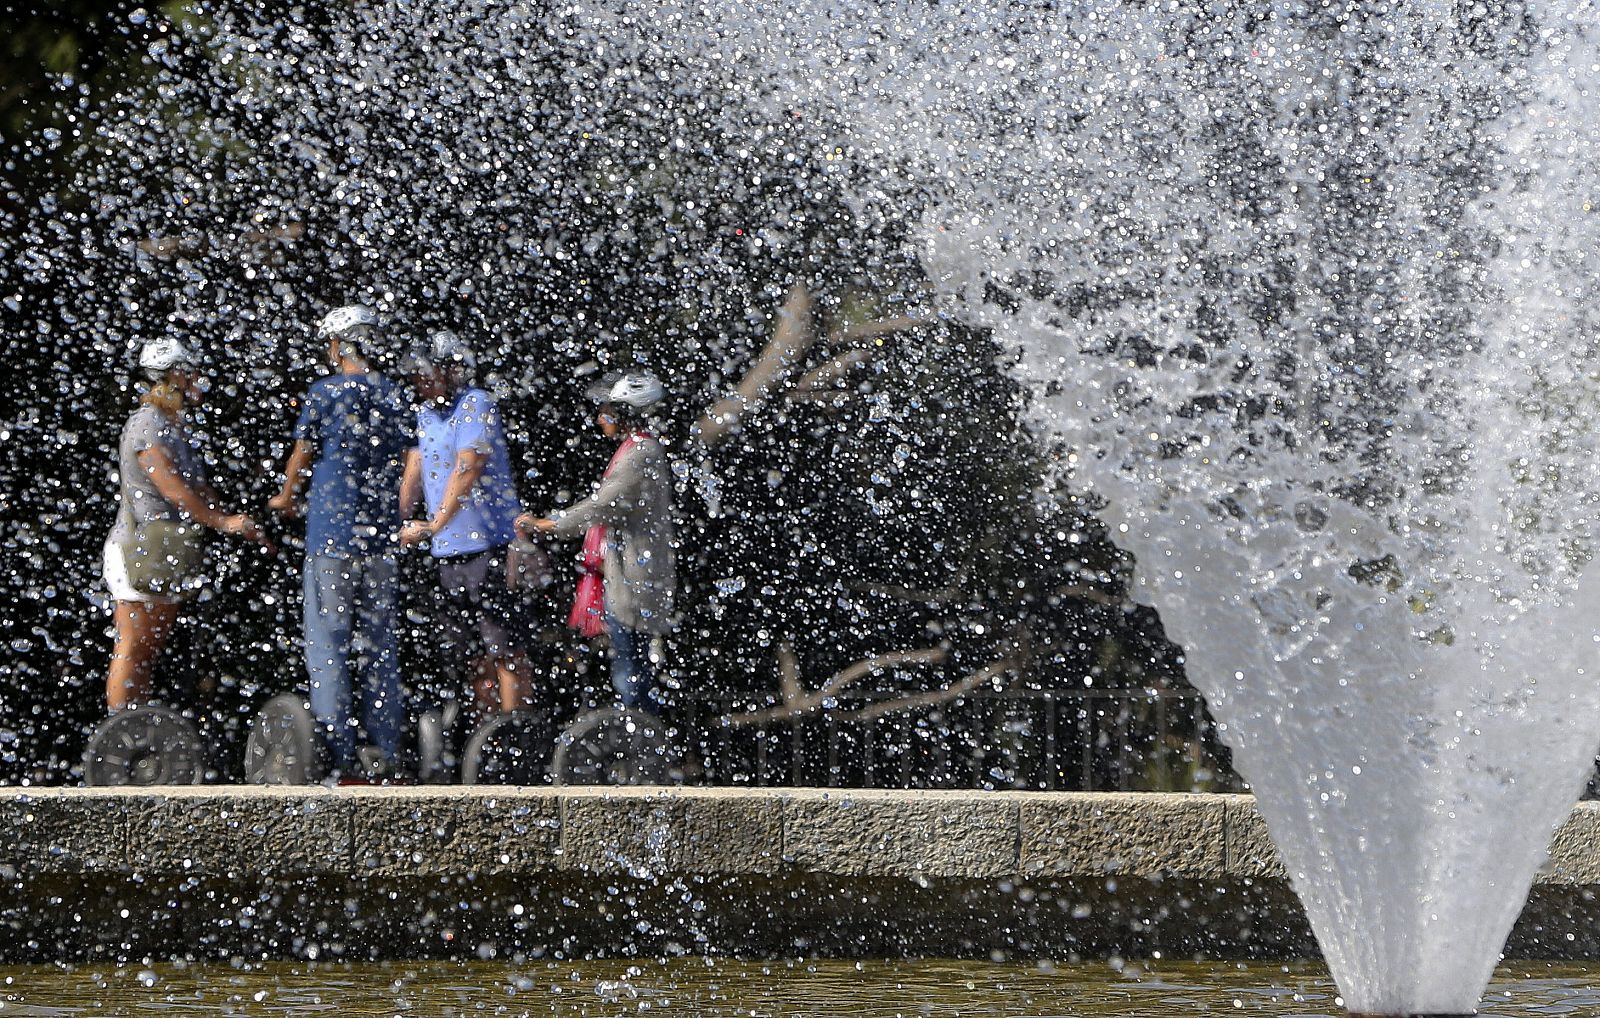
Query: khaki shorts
(115, 573)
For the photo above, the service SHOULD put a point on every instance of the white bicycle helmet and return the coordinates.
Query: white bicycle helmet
(341, 320)
(636, 390)
(163, 354)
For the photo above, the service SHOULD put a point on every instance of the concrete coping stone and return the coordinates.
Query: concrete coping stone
(251, 832)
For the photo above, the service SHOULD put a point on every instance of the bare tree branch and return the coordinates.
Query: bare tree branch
(789, 675)
(817, 385)
(868, 330)
(949, 592)
(827, 373)
(798, 701)
(945, 695)
(1094, 594)
(792, 338)
(260, 245)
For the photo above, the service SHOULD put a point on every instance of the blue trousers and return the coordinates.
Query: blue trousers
(350, 630)
(632, 674)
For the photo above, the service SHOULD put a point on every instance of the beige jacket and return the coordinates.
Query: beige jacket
(634, 503)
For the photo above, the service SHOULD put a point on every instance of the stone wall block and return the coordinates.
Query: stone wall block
(1251, 852)
(51, 832)
(1154, 834)
(227, 834)
(1575, 849)
(456, 831)
(903, 835)
(648, 835)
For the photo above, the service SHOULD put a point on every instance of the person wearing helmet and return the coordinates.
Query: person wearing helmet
(461, 469)
(162, 480)
(627, 525)
(350, 443)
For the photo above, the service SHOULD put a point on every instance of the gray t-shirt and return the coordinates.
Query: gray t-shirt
(148, 428)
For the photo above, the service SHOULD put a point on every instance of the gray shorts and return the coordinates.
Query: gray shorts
(482, 614)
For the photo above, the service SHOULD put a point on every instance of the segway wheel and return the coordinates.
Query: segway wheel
(145, 744)
(508, 749)
(615, 747)
(283, 747)
(436, 758)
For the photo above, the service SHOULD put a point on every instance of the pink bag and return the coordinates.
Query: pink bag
(588, 615)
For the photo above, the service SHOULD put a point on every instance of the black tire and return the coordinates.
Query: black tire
(145, 744)
(283, 747)
(615, 747)
(509, 749)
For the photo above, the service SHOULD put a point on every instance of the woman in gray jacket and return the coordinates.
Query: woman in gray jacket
(628, 523)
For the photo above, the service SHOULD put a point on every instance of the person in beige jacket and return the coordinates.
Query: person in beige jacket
(628, 520)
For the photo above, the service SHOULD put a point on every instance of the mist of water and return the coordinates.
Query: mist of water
(1302, 292)
(1306, 295)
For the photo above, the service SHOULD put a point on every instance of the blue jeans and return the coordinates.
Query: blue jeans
(350, 625)
(632, 674)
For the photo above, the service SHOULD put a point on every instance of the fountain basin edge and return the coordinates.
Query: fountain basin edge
(215, 871)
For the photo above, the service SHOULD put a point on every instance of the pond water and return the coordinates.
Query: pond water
(718, 987)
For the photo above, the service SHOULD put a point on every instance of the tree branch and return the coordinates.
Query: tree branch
(869, 330)
(826, 374)
(1094, 594)
(894, 591)
(798, 701)
(792, 338)
(945, 695)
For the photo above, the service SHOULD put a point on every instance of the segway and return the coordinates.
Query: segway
(144, 744)
(283, 747)
(509, 749)
(615, 746)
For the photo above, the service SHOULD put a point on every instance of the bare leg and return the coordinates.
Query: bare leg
(485, 689)
(515, 673)
(142, 631)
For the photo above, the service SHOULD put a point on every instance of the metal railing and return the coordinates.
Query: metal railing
(1071, 740)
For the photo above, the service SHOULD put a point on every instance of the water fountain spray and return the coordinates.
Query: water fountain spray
(1304, 293)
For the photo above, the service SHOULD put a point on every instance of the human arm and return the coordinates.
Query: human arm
(464, 476)
(294, 475)
(529, 524)
(307, 441)
(411, 483)
(611, 503)
(169, 483)
(203, 488)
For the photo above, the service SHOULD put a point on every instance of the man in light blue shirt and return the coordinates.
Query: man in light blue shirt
(462, 470)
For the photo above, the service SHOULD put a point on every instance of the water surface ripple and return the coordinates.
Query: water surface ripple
(716, 987)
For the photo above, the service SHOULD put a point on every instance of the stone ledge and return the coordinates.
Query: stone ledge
(1248, 847)
(432, 831)
(849, 833)
(242, 833)
(1113, 833)
(222, 872)
(673, 833)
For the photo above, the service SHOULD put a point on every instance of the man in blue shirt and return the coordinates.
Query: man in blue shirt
(461, 467)
(351, 441)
